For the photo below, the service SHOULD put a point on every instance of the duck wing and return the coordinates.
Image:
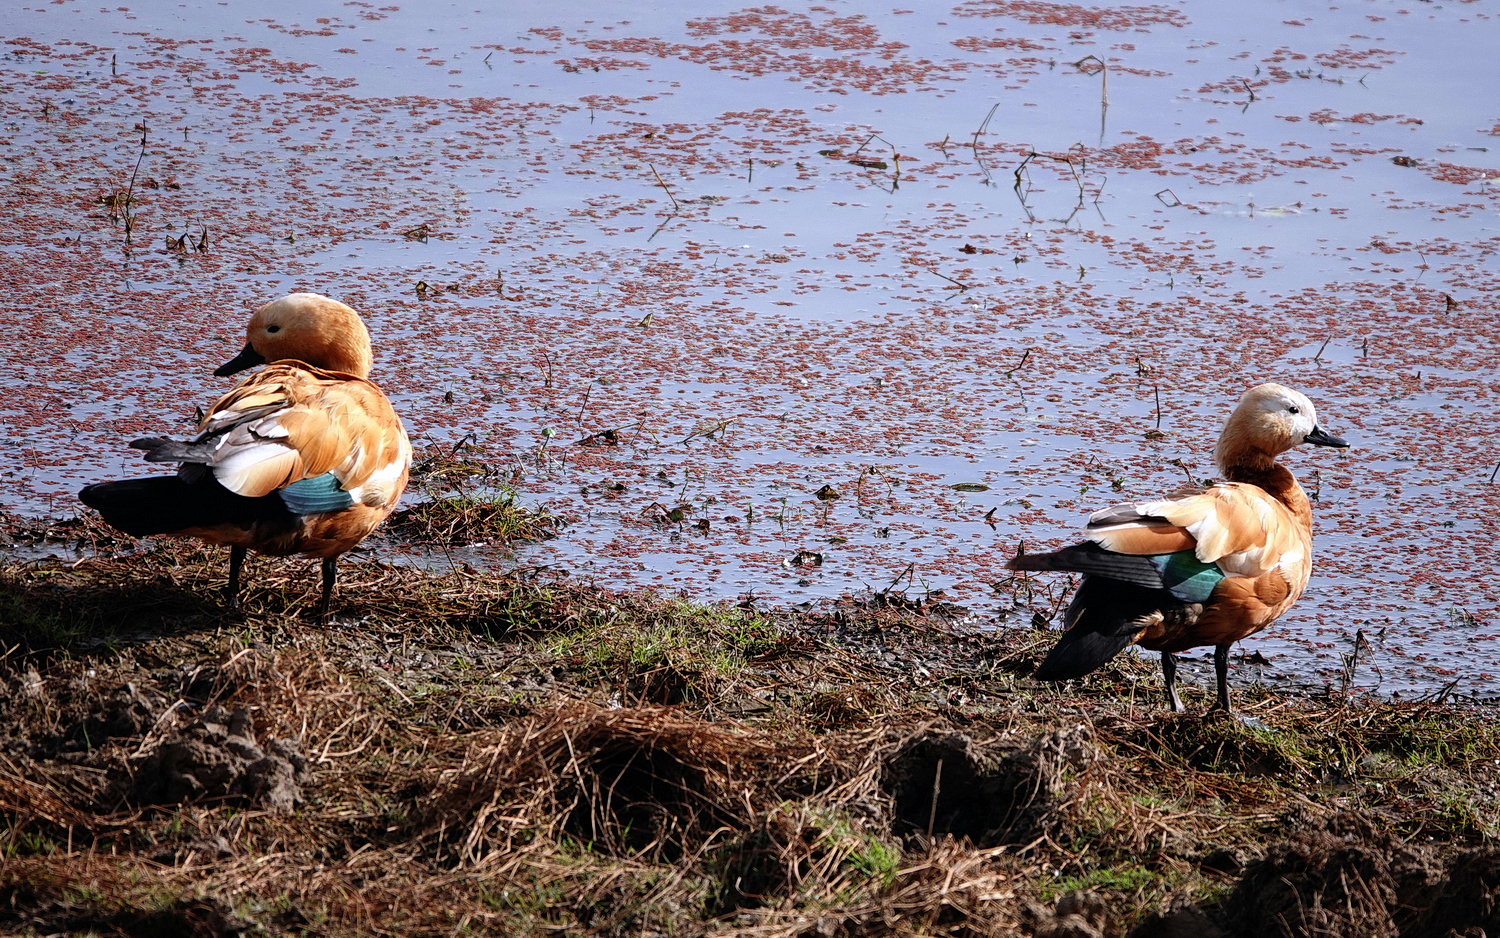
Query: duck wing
(1234, 526)
(322, 440)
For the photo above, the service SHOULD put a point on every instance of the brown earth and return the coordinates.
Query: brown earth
(463, 753)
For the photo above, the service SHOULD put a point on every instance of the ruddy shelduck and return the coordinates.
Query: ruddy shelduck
(1202, 567)
(306, 456)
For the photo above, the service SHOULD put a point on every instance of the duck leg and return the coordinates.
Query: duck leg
(1221, 670)
(330, 570)
(1169, 673)
(232, 590)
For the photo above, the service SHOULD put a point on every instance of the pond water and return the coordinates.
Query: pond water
(885, 250)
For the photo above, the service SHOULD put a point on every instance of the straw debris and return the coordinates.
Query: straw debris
(465, 753)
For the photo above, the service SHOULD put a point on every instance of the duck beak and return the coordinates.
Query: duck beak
(249, 358)
(1321, 437)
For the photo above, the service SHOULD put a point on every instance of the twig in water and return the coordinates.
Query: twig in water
(1249, 89)
(130, 191)
(974, 145)
(1185, 470)
(983, 124)
(1156, 390)
(675, 207)
(961, 288)
(586, 392)
(867, 143)
(1323, 346)
(1024, 355)
(1029, 157)
(909, 569)
(720, 427)
(1103, 76)
(1496, 472)
(1351, 663)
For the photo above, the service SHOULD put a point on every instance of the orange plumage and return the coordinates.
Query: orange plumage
(1198, 568)
(304, 457)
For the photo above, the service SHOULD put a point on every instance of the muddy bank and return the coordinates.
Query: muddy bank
(460, 753)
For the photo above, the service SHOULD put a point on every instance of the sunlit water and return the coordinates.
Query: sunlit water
(649, 221)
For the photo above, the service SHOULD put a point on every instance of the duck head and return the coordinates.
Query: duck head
(1269, 420)
(307, 327)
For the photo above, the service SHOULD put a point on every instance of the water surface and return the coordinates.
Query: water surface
(881, 250)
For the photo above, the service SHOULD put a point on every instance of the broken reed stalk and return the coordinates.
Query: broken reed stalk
(675, 207)
(1024, 355)
(982, 125)
(865, 144)
(910, 568)
(130, 190)
(1103, 77)
(1351, 667)
(1156, 390)
(581, 407)
(1323, 346)
(961, 287)
(1029, 157)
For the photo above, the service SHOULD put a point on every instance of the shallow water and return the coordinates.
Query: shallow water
(768, 317)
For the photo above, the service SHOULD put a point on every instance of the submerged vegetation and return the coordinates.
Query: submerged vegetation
(461, 753)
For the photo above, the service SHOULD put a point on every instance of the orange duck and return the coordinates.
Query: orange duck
(304, 457)
(1203, 567)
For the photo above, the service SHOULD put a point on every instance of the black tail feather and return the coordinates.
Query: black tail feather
(168, 504)
(1103, 619)
(161, 449)
(1090, 558)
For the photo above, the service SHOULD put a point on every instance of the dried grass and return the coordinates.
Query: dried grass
(492, 755)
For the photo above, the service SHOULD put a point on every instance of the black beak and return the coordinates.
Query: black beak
(249, 358)
(1321, 437)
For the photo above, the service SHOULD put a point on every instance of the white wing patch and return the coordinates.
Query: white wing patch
(250, 457)
(254, 470)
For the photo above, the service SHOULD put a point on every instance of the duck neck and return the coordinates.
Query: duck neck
(1278, 482)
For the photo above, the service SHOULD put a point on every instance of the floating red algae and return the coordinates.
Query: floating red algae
(1042, 12)
(1462, 175)
(751, 320)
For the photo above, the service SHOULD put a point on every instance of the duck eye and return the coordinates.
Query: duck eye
(278, 329)
(1294, 409)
